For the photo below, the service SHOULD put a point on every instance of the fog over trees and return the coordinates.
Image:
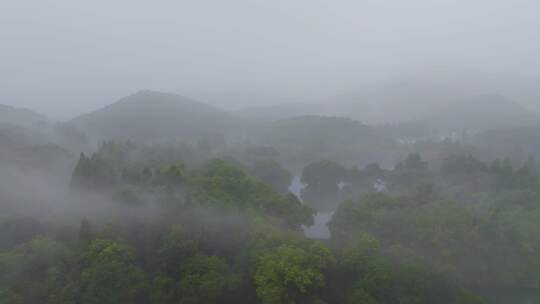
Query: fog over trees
(270, 152)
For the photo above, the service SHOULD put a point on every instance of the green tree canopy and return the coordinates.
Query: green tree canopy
(108, 275)
(289, 273)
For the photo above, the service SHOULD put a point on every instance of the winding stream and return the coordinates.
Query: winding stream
(319, 229)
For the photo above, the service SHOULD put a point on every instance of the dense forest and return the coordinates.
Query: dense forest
(270, 152)
(220, 210)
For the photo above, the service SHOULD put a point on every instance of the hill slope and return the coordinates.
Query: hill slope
(155, 116)
(20, 117)
(482, 112)
(409, 97)
(280, 111)
(312, 138)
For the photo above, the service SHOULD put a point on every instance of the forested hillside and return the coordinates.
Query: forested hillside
(161, 199)
(153, 117)
(270, 152)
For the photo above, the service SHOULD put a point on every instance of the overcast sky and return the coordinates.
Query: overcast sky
(66, 57)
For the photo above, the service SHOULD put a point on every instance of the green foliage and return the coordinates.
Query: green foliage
(216, 184)
(322, 179)
(204, 279)
(128, 196)
(175, 174)
(108, 275)
(175, 247)
(460, 166)
(410, 172)
(289, 273)
(410, 285)
(85, 232)
(458, 240)
(224, 185)
(117, 151)
(163, 290)
(17, 230)
(362, 256)
(324, 174)
(94, 173)
(32, 272)
(273, 174)
(359, 295)
(363, 181)
(223, 232)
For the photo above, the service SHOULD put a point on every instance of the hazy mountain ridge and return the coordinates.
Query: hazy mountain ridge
(477, 112)
(154, 116)
(21, 116)
(150, 116)
(409, 97)
(15, 136)
(319, 137)
(519, 143)
(416, 97)
(280, 111)
(481, 112)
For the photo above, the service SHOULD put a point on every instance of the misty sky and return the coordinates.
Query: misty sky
(63, 58)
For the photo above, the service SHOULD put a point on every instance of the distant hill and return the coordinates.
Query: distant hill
(21, 117)
(481, 112)
(151, 116)
(16, 136)
(518, 143)
(314, 127)
(312, 138)
(391, 101)
(408, 98)
(280, 111)
(28, 140)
